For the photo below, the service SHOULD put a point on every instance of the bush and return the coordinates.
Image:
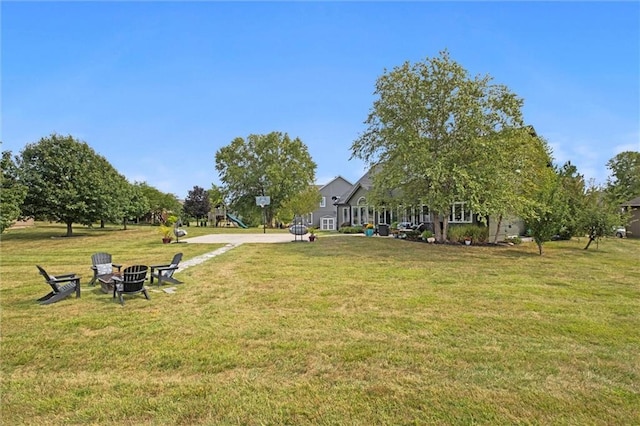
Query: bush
(514, 240)
(458, 233)
(351, 230)
(426, 234)
(412, 235)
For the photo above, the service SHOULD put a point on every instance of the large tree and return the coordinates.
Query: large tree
(425, 129)
(12, 193)
(66, 181)
(197, 204)
(624, 182)
(507, 171)
(134, 203)
(271, 165)
(574, 192)
(160, 203)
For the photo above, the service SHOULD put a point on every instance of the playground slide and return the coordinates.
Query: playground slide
(235, 220)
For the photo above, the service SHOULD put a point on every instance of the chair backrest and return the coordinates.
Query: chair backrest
(176, 259)
(174, 262)
(100, 258)
(133, 277)
(48, 279)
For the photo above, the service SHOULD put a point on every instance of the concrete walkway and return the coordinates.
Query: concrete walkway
(232, 241)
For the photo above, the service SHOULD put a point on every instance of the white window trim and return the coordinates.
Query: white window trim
(323, 202)
(467, 216)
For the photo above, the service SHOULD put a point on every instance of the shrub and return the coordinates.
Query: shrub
(478, 234)
(426, 234)
(351, 230)
(513, 239)
(412, 235)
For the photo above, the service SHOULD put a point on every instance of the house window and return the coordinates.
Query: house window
(424, 214)
(459, 214)
(345, 215)
(360, 212)
(308, 219)
(382, 215)
(323, 202)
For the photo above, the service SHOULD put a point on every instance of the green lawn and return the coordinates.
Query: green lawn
(347, 330)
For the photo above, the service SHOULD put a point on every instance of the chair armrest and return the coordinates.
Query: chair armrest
(115, 265)
(65, 278)
(159, 266)
(166, 268)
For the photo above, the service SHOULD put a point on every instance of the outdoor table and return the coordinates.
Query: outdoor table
(109, 282)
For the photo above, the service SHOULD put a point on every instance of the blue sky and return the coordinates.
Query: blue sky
(158, 87)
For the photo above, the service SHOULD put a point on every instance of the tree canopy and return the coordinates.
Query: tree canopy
(439, 136)
(197, 204)
(624, 182)
(12, 193)
(271, 165)
(160, 203)
(67, 181)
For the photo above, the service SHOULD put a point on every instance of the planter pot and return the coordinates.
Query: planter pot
(467, 242)
(312, 238)
(166, 240)
(368, 232)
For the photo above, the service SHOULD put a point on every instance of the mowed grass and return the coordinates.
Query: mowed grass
(347, 330)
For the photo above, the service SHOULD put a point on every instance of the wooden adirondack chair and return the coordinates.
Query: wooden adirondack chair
(59, 290)
(132, 282)
(164, 273)
(102, 266)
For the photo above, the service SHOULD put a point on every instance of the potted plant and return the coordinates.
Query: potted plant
(394, 230)
(166, 233)
(368, 229)
(312, 234)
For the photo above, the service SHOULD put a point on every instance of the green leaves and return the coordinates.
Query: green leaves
(271, 164)
(12, 192)
(624, 182)
(68, 182)
(438, 136)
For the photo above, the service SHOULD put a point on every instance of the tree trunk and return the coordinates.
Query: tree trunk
(124, 224)
(539, 243)
(101, 223)
(495, 240)
(437, 231)
(445, 228)
(69, 229)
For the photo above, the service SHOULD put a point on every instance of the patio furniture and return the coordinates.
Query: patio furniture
(131, 282)
(59, 290)
(164, 273)
(102, 266)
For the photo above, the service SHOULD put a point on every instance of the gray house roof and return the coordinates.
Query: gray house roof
(632, 203)
(363, 182)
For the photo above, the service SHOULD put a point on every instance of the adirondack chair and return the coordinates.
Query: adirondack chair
(102, 266)
(164, 273)
(59, 290)
(132, 282)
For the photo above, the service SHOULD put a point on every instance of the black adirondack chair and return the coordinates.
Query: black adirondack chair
(131, 282)
(102, 266)
(164, 273)
(61, 286)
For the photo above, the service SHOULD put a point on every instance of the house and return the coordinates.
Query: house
(351, 208)
(324, 217)
(633, 207)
